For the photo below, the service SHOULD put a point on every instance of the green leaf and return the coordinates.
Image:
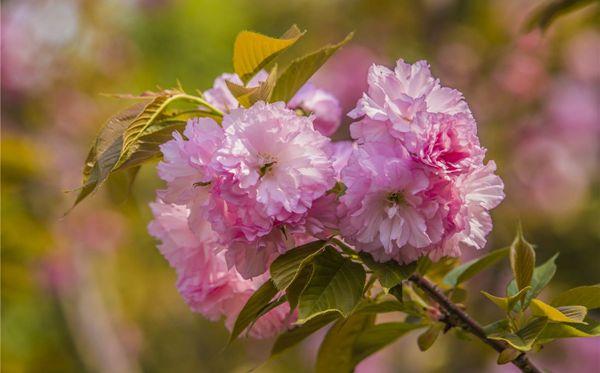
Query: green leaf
(469, 269)
(298, 285)
(548, 12)
(252, 51)
(148, 145)
(248, 96)
(591, 328)
(301, 69)
(336, 351)
(587, 296)
(428, 338)
(390, 273)
(105, 151)
(337, 284)
(507, 303)
(522, 259)
(374, 338)
(253, 307)
(541, 277)
(507, 355)
(286, 267)
(525, 337)
(379, 306)
(298, 333)
(571, 314)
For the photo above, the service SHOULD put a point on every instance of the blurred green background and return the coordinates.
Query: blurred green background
(89, 291)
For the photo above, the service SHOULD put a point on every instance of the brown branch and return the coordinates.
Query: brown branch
(456, 317)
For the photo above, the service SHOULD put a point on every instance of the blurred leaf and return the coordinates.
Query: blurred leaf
(507, 303)
(547, 13)
(591, 328)
(541, 277)
(458, 295)
(496, 327)
(439, 269)
(524, 338)
(286, 267)
(390, 273)
(467, 270)
(573, 314)
(298, 333)
(375, 337)
(337, 284)
(252, 51)
(301, 69)
(522, 259)
(335, 353)
(252, 309)
(507, 355)
(587, 296)
(428, 338)
(379, 306)
(298, 285)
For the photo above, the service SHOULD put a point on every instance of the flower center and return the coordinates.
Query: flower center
(396, 198)
(266, 162)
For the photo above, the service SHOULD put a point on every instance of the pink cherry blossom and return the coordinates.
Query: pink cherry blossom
(323, 105)
(204, 280)
(273, 166)
(221, 97)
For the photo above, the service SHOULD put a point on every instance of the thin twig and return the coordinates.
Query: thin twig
(459, 318)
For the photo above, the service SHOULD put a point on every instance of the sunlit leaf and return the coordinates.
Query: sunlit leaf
(541, 277)
(587, 296)
(469, 269)
(507, 303)
(522, 259)
(390, 273)
(298, 333)
(591, 328)
(286, 267)
(336, 284)
(248, 96)
(252, 51)
(301, 69)
(253, 307)
(573, 314)
(525, 337)
(507, 355)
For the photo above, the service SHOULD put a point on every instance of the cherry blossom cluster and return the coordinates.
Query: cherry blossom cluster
(268, 178)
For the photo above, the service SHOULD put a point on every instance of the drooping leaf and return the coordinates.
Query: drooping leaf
(252, 51)
(428, 338)
(587, 296)
(572, 314)
(375, 337)
(298, 333)
(541, 277)
(553, 331)
(286, 267)
(105, 151)
(525, 337)
(522, 259)
(298, 285)
(335, 353)
(301, 69)
(548, 12)
(336, 284)
(253, 307)
(469, 269)
(507, 303)
(390, 273)
(507, 355)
